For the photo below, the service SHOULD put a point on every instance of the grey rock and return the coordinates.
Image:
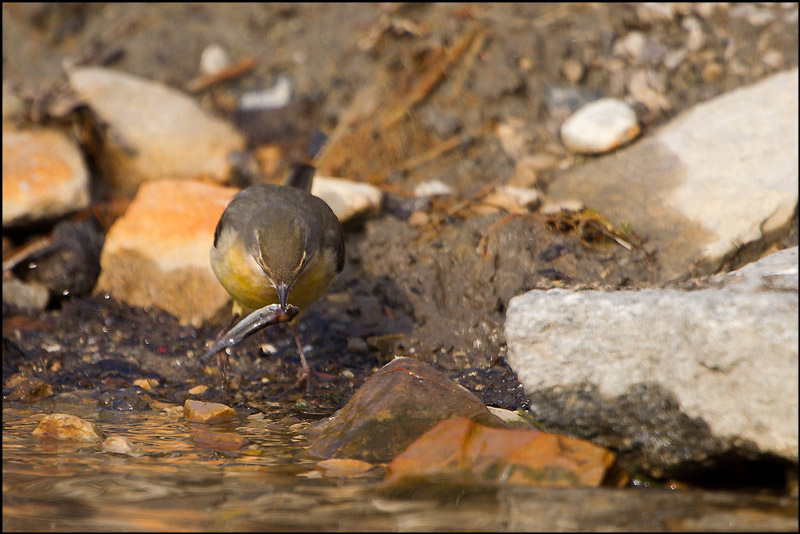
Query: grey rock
(671, 379)
(24, 297)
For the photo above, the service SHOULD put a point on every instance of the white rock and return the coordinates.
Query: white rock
(214, 59)
(153, 131)
(755, 15)
(649, 12)
(631, 45)
(740, 153)
(599, 127)
(567, 204)
(432, 188)
(526, 197)
(727, 354)
(121, 445)
(695, 38)
(512, 137)
(277, 96)
(649, 88)
(347, 199)
(717, 177)
(31, 297)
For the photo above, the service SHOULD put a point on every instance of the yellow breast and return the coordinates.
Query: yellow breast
(246, 282)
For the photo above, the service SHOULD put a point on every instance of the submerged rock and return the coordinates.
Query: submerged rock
(63, 426)
(395, 406)
(462, 449)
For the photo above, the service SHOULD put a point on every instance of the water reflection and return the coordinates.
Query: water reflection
(179, 486)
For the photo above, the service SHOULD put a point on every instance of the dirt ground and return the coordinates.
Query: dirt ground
(405, 93)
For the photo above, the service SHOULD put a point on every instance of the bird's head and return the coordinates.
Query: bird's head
(283, 253)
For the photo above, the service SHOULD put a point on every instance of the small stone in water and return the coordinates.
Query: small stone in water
(64, 426)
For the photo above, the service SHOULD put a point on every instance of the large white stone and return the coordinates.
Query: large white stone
(718, 177)
(347, 199)
(727, 354)
(152, 131)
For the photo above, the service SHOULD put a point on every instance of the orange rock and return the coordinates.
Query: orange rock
(157, 254)
(208, 412)
(64, 426)
(226, 441)
(44, 175)
(344, 468)
(468, 450)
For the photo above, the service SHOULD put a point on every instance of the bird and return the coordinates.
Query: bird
(278, 244)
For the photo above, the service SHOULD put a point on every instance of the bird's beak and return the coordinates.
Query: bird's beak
(283, 294)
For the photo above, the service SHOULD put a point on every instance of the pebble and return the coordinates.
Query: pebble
(208, 412)
(25, 388)
(753, 14)
(432, 188)
(674, 58)
(343, 468)
(212, 439)
(277, 96)
(511, 138)
(121, 445)
(348, 199)
(712, 72)
(25, 297)
(527, 198)
(649, 12)
(357, 345)
(62, 426)
(198, 390)
(573, 70)
(214, 59)
(631, 45)
(772, 59)
(600, 127)
(695, 38)
(648, 88)
(571, 205)
(418, 219)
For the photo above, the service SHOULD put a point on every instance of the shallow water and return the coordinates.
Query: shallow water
(176, 485)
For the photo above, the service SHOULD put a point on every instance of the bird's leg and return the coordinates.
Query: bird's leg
(305, 373)
(223, 363)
